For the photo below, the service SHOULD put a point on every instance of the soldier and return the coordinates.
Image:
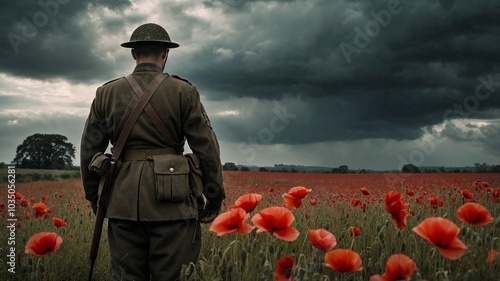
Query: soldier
(150, 238)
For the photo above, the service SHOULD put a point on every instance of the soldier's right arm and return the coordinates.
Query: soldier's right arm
(95, 138)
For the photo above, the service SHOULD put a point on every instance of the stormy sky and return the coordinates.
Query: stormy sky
(369, 84)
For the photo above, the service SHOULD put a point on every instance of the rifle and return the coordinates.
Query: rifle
(108, 177)
(107, 183)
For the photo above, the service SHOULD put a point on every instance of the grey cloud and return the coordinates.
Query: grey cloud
(52, 39)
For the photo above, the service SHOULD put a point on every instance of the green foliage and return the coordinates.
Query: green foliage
(31, 175)
(410, 168)
(45, 151)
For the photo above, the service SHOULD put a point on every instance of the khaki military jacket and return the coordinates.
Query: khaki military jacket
(177, 103)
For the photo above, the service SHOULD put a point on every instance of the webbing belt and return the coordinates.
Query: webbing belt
(138, 154)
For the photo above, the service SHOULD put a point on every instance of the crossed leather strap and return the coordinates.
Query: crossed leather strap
(144, 97)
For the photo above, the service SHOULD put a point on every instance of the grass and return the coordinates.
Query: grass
(30, 175)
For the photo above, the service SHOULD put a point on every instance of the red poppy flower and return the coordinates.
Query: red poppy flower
(394, 202)
(410, 192)
(474, 213)
(2, 205)
(492, 256)
(43, 198)
(293, 197)
(354, 231)
(398, 267)
(58, 222)
(40, 210)
(365, 191)
(322, 239)
(313, 202)
(480, 184)
(435, 202)
(284, 269)
(277, 221)
(395, 205)
(466, 194)
(247, 202)
(496, 193)
(43, 243)
(442, 233)
(232, 222)
(17, 195)
(24, 202)
(343, 260)
(356, 202)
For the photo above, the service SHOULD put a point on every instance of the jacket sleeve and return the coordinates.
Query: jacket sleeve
(95, 138)
(203, 142)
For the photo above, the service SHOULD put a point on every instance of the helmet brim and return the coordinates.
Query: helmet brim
(132, 44)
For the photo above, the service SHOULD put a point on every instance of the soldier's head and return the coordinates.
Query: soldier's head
(150, 43)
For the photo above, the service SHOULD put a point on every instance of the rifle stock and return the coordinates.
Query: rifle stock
(107, 183)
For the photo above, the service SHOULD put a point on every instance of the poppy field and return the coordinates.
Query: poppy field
(288, 226)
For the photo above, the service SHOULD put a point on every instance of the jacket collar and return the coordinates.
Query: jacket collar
(147, 67)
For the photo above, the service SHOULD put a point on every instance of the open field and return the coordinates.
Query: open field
(335, 203)
(27, 175)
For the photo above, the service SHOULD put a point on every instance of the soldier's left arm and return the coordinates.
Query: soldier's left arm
(203, 142)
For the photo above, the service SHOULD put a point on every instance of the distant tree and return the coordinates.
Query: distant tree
(496, 169)
(2, 165)
(410, 168)
(263, 169)
(244, 169)
(344, 169)
(45, 151)
(441, 169)
(481, 168)
(229, 166)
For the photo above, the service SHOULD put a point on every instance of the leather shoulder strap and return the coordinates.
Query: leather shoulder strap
(134, 115)
(153, 116)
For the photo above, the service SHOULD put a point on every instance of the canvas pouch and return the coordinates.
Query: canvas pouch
(171, 173)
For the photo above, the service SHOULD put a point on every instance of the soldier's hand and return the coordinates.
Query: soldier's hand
(208, 218)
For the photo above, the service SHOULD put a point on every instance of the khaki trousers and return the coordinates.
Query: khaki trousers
(152, 250)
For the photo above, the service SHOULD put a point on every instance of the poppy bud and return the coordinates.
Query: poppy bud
(497, 222)
(381, 236)
(270, 248)
(244, 254)
(216, 260)
(469, 275)
(267, 267)
(463, 231)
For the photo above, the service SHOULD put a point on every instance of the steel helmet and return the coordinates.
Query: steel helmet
(149, 33)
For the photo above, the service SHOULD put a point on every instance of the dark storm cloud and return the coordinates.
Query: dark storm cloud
(430, 62)
(52, 38)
